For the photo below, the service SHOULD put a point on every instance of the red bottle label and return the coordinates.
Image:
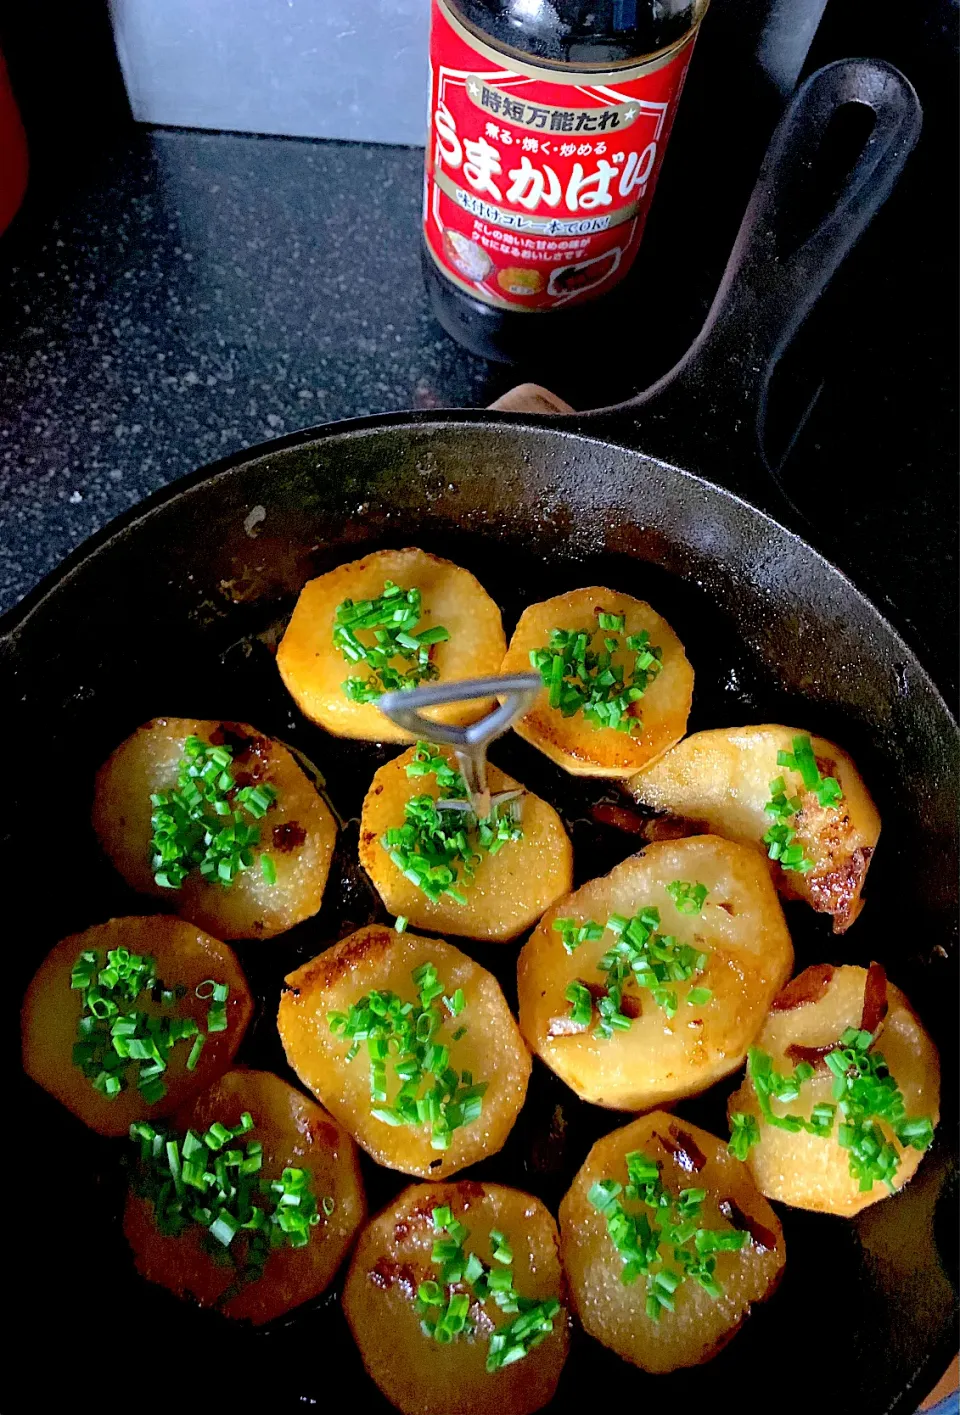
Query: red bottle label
(538, 181)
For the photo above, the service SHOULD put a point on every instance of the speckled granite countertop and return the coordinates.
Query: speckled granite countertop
(205, 294)
(198, 293)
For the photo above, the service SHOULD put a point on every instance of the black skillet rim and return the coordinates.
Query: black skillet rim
(578, 428)
(937, 1359)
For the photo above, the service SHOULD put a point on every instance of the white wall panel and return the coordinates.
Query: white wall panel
(353, 69)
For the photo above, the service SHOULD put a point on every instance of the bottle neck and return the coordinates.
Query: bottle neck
(581, 34)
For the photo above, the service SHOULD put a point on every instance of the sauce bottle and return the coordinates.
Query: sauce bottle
(548, 123)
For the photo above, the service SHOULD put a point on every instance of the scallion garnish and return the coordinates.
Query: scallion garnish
(397, 657)
(195, 1051)
(573, 934)
(197, 1180)
(407, 1038)
(582, 679)
(802, 759)
(500, 1246)
(864, 1093)
(441, 843)
(643, 1244)
(688, 898)
(769, 1084)
(780, 838)
(116, 1039)
(217, 1014)
(640, 953)
(444, 1311)
(199, 825)
(744, 1134)
(455, 1004)
(428, 760)
(581, 1003)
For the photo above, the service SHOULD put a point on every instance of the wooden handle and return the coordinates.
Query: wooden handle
(947, 1386)
(530, 398)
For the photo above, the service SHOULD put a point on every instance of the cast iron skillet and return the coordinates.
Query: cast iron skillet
(175, 608)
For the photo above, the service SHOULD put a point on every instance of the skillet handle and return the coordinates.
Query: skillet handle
(713, 402)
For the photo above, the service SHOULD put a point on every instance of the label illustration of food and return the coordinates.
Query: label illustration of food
(539, 180)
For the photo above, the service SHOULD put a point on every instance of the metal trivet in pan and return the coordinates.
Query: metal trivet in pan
(516, 692)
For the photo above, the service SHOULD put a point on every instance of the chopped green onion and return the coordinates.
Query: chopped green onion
(639, 954)
(581, 1010)
(392, 618)
(455, 1004)
(613, 622)
(406, 1039)
(645, 1245)
(445, 1312)
(780, 839)
(688, 898)
(189, 1180)
(195, 1051)
(802, 759)
(199, 825)
(224, 1229)
(573, 934)
(119, 1043)
(864, 1093)
(580, 678)
(603, 1193)
(744, 1134)
(500, 1247)
(440, 844)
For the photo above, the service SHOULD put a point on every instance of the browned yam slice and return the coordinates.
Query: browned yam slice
(721, 780)
(298, 832)
(295, 1132)
(51, 1011)
(418, 1375)
(509, 890)
(615, 1312)
(808, 1171)
(573, 742)
(314, 669)
(742, 930)
(491, 1048)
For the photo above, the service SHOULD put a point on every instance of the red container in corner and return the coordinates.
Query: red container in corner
(13, 152)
